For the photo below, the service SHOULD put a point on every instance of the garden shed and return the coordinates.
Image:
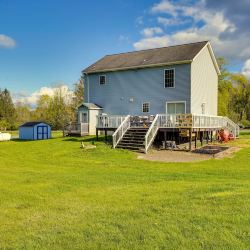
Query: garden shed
(35, 131)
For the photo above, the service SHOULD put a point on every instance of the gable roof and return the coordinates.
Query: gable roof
(89, 105)
(32, 124)
(184, 53)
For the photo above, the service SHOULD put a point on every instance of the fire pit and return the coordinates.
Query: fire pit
(211, 150)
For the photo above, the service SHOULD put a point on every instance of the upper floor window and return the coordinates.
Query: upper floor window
(169, 78)
(145, 107)
(102, 79)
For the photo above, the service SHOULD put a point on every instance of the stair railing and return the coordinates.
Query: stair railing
(121, 130)
(232, 126)
(152, 131)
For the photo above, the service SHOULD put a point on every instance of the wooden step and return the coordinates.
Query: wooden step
(131, 147)
(130, 143)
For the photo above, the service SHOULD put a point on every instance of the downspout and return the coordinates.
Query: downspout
(87, 87)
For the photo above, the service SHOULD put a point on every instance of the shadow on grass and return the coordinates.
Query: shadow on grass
(89, 139)
(22, 140)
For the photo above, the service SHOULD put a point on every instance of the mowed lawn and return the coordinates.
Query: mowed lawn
(54, 195)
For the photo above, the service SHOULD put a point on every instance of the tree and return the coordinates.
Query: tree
(42, 109)
(7, 109)
(79, 92)
(225, 89)
(241, 97)
(23, 112)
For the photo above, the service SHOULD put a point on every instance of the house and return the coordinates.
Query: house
(152, 86)
(35, 131)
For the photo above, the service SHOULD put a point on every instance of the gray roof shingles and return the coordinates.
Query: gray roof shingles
(147, 58)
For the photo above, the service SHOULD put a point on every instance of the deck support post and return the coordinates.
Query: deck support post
(96, 133)
(195, 142)
(201, 137)
(165, 139)
(106, 136)
(190, 139)
(211, 134)
(207, 136)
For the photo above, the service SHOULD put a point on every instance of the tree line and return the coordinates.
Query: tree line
(58, 110)
(233, 95)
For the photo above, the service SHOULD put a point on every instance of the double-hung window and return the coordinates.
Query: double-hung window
(146, 107)
(102, 79)
(169, 78)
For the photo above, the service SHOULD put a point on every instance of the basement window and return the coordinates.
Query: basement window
(169, 78)
(102, 79)
(145, 107)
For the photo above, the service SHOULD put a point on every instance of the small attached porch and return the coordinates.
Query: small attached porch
(87, 114)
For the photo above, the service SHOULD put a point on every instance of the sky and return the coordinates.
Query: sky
(45, 43)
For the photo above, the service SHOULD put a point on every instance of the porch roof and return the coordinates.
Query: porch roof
(89, 105)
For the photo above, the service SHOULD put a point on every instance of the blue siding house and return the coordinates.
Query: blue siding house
(35, 131)
(172, 87)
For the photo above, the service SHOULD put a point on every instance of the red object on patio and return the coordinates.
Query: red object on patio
(224, 135)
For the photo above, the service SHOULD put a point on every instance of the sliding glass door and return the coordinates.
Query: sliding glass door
(176, 108)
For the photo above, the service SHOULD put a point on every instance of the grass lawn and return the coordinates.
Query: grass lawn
(54, 195)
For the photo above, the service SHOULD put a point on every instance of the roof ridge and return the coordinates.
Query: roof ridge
(138, 51)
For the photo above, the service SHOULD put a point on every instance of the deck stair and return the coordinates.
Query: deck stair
(134, 139)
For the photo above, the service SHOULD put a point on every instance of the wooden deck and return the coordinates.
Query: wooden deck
(201, 126)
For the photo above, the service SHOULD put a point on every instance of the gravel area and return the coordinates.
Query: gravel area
(182, 156)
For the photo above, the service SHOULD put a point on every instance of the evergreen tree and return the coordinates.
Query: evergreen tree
(7, 109)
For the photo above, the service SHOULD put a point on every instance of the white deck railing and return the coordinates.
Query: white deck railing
(109, 121)
(152, 131)
(77, 128)
(121, 130)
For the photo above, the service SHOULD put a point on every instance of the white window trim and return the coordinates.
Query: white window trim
(185, 103)
(148, 107)
(100, 79)
(165, 79)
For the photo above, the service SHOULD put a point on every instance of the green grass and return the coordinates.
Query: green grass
(54, 195)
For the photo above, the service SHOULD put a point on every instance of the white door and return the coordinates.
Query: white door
(176, 108)
(84, 123)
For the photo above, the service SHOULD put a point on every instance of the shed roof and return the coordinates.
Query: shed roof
(90, 105)
(146, 58)
(32, 124)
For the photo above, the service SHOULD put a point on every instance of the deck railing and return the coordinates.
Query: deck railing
(76, 128)
(109, 121)
(152, 131)
(121, 130)
(175, 120)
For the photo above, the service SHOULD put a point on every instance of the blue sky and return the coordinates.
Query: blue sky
(45, 43)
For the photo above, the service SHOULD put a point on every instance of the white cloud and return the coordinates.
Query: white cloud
(164, 7)
(31, 99)
(149, 32)
(203, 24)
(246, 69)
(152, 42)
(6, 41)
(171, 21)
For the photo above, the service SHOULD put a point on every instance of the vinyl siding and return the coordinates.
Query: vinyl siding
(204, 87)
(125, 91)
